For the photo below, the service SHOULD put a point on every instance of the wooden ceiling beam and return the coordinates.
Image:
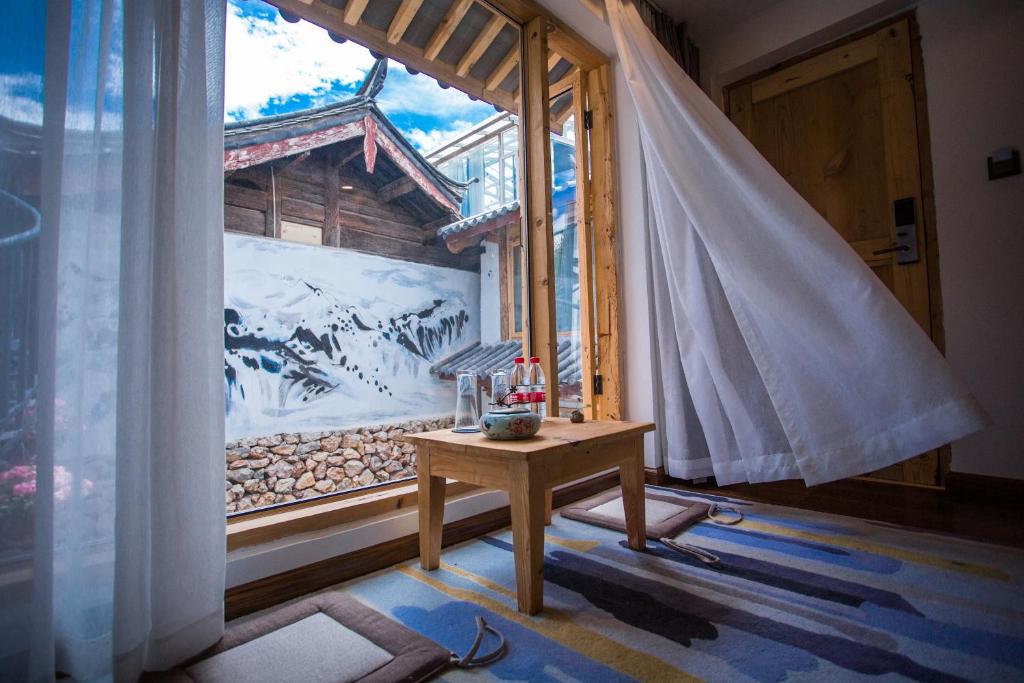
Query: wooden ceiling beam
(358, 152)
(403, 17)
(504, 68)
(563, 84)
(397, 188)
(446, 28)
(480, 45)
(354, 11)
(562, 39)
(553, 59)
(331, 18)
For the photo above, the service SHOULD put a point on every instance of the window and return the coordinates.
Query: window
(349, 280)
(514, 267)
(442, 220)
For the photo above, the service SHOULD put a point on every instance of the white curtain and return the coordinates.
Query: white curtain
(126, 566)
(781, 355)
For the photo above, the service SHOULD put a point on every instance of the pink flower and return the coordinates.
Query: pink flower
(19, 473)
(25, 488)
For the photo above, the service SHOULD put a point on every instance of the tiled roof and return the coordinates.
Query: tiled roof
(484, 359)
(327, 120)
(479, 219)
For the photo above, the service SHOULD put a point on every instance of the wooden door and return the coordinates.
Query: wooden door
(840, 127)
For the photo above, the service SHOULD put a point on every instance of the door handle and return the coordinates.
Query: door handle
(889, 250)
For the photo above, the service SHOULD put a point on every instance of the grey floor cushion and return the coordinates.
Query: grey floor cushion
(327, 638)
(316, 649)
(667, 515)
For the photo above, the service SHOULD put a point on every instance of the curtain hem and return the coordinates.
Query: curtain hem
(920, 434)
(689, 469)
(170, 650)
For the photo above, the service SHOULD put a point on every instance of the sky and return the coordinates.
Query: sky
(21, 61)
(274, 67)
(271, 67)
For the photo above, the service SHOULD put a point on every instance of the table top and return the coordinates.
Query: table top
(556, 434)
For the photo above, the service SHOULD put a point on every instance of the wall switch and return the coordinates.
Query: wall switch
(1003, 163)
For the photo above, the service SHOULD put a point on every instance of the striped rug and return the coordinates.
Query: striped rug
(799, 596)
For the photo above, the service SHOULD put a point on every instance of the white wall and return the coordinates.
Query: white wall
(974, 68)
(973, 56)
(490, 294)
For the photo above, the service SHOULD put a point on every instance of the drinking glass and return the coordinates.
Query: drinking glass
(467, 402)
(499, 386)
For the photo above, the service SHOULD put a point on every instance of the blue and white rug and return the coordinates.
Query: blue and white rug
(800, 596)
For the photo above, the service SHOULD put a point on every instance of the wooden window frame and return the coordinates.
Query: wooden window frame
(596, 212)
(541, 34)
(512, 241)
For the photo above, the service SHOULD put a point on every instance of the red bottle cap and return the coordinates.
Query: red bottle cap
(534, 359)
(520, 359)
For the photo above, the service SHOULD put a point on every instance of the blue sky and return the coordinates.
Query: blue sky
(21, 61)
(274, 67)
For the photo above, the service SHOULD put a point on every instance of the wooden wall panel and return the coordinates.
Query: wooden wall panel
(309, 191)
(246, 197)
(401, 249)
(241, 219)
(306, 212)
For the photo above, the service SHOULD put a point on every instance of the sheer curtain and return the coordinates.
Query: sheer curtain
(781, 355)
(124, 569)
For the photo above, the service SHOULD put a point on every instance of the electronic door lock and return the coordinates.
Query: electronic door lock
(905, 245)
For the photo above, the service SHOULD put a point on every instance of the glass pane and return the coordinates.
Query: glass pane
(517, 289)
(352, 283)
(510, 163)
(491, 175)
(566, 238)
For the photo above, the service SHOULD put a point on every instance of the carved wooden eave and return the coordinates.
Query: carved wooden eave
(289, 136)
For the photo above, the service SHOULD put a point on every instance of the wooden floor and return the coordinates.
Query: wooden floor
(928, 509)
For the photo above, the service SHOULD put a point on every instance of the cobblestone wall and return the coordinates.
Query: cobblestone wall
(284, 467)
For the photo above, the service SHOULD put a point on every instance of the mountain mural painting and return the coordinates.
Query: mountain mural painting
(319, 339)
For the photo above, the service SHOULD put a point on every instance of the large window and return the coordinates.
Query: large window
(348, 281)
(381, 234)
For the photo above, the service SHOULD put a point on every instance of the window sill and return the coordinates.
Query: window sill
(258, 528)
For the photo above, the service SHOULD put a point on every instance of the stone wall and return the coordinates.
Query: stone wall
(285, 467)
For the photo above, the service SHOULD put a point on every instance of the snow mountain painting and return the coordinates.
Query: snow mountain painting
(318, 338)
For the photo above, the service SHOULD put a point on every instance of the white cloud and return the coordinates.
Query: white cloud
(421, 94)
(427, 140)
(272, 61)
(15, 104)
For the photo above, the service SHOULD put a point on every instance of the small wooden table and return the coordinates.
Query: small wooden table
(560, 453)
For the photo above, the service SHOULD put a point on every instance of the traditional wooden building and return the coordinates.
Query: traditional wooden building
(341, 176)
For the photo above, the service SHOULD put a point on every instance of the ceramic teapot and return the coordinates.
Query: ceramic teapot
(507, 424)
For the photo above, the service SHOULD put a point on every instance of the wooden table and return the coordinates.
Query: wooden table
(560, 453)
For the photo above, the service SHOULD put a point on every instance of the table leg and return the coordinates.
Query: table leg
(631, 474)
(431, 508)
(526, 497)
(547, 507)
